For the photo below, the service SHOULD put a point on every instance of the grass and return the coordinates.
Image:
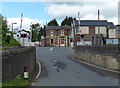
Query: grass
(16, 83)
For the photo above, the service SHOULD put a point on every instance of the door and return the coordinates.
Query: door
(62, 42)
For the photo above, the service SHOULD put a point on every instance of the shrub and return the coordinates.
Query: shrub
(13, 42)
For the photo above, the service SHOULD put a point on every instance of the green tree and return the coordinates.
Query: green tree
(67, 21)
(53, 23)
(37, 32)
(7, 40)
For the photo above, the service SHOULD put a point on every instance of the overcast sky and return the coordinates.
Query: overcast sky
(42, 11)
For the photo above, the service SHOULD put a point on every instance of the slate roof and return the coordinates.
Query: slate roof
(57, 27)
(84, 23)
(94, 23)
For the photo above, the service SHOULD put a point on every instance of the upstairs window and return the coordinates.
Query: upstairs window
(62, 33)
(52, 33)
(72, 33)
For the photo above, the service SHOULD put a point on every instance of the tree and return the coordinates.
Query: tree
(67, 21)
(35, 29)
(37, 32)
(7, 40)
(53, 23)
(3, 26)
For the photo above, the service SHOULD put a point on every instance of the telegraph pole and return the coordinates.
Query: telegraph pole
(74, 32)
(98, 28)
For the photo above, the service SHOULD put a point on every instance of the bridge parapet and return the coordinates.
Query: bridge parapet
(103, 56)
(14, 59)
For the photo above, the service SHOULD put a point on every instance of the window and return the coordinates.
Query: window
(51, 41)
(52, 34)
(62, 33)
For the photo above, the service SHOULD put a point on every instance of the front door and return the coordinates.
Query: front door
(62, 42)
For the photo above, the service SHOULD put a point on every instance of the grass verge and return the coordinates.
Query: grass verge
(16, 83)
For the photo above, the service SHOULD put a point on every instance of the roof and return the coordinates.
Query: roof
(111, 25)
(57, 27)
(94, 23)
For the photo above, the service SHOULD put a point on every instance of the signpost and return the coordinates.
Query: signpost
(71, 36)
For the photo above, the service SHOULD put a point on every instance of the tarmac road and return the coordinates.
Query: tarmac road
(58, 69)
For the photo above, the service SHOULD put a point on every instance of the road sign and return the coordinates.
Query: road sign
(71, 36)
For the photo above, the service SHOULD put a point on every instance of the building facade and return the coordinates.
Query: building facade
(89, 32)
(59, 36)
(92, 31)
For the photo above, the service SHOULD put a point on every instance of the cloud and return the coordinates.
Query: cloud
(26, 22)
(108, 10)
(60, 0)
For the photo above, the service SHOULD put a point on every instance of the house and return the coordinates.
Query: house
(59, 36)
(92, 31)
(87, 33)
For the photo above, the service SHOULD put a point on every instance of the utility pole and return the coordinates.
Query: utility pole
(21, 26)
(74, 32)
(79, 21)
(98, 28)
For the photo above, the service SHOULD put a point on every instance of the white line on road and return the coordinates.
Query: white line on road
(96, 66)
(51, 48)
(39, 70)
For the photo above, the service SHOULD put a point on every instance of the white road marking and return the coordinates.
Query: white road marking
(33, 83)
(96, 66)
(55, 61)
(39, 70)
(51, 48)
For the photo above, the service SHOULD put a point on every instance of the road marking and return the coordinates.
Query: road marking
(39, 70)
(51, 48)
(33, 83)
(55, 61)
(96, 66)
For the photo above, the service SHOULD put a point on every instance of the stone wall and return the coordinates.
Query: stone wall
(102, 56)
(15, 59)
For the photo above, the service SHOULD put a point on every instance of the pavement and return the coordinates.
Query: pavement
(59, 69)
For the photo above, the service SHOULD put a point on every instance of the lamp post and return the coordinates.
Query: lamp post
(12, 26)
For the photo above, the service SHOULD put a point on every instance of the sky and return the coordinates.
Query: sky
(42, 11)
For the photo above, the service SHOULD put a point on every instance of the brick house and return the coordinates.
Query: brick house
(88, 29)
(58, 36)
(64, 36)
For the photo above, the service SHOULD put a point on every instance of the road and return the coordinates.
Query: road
(58, 69)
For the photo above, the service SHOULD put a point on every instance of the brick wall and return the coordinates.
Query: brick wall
(15, 59)
(102, 56)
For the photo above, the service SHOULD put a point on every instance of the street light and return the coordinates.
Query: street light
(12, 26)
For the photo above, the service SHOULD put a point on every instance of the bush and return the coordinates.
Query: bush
(17, 83)
(12, 42)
